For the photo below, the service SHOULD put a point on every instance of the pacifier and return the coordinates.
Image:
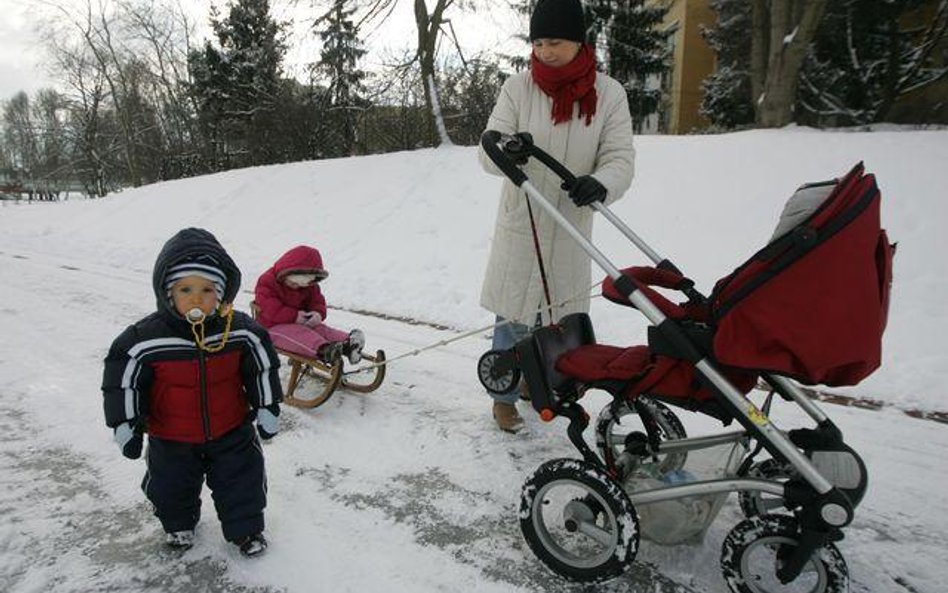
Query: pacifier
(195, 315)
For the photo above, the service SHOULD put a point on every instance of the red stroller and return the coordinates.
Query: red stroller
(810, 306)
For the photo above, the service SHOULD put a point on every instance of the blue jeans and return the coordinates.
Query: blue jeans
(505, 337)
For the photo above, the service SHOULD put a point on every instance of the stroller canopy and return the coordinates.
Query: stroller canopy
(813, 303)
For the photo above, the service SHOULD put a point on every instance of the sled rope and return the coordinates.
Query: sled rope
(473, 332)
(538, 251)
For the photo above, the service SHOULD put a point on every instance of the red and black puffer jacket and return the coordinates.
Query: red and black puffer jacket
(159, 379)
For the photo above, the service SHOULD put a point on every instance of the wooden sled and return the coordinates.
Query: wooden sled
(330, 376)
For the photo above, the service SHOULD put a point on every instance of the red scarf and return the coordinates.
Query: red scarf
(575, 81)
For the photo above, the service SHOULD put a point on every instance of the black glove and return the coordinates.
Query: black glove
(268, 423)
(517, 148)
(129, 439)
(586, 190)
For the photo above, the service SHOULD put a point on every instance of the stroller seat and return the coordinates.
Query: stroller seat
(637, 370)
(593, 363)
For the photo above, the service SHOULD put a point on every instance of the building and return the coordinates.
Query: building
(692, 60)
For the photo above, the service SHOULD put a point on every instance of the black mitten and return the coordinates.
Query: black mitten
(586, 190)
(517, 148)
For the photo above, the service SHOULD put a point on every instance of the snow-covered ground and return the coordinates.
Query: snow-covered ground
(412, 488)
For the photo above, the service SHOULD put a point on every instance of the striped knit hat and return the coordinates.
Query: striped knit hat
(205, 266)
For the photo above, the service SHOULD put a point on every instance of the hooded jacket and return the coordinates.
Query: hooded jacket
(512, 286)
(157, 378)
(279, 303)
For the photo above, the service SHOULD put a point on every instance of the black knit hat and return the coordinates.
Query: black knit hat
(558, 19)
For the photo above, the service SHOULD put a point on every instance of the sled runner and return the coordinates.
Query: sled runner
(810, 306)
(328, 376)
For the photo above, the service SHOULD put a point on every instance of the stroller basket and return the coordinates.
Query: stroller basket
(685, 519)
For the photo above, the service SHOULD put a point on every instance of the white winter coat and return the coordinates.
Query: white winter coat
(513, 287)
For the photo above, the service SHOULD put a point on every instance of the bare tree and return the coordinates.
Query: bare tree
(782, 32)
(94, 24)
(19, 131)
(431, 24)
(429, 27)
(164, 39)
(81, 75)
(49, 108)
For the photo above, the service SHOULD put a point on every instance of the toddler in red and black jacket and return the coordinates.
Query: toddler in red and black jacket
(195, 375)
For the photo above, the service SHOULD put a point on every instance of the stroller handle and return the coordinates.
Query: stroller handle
(625, 285)
(491, 141)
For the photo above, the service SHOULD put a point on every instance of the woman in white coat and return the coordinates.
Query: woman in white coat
(581, 118)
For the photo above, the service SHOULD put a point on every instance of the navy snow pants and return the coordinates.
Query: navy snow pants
(234, 468)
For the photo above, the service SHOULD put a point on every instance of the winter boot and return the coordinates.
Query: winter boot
(252, 545)
(180, 540)
(507, 417)
(330, 353)
(353, 346)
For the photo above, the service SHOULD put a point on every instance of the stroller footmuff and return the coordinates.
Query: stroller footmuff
(767, 321)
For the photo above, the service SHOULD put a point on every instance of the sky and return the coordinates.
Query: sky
(22, 63)
(412, 488)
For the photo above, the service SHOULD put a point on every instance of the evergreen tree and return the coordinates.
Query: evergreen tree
(237, 84)
(630, 45)
(863, 58)
(636, 55)
(338, 61)
(727, 92)
(468, 95)
(598, 17)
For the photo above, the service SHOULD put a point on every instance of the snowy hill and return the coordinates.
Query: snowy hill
(412, 488)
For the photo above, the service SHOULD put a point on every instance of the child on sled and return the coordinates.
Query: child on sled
(293, 309)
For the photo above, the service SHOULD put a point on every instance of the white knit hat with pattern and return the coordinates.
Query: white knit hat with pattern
(204, 266)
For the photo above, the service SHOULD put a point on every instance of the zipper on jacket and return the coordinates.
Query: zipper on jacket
(202, 376)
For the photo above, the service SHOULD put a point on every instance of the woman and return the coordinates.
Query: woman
(581, 118)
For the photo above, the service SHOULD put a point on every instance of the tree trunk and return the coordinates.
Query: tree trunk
(890, 89)
(428, 27)
(759, 42)
(788, 43)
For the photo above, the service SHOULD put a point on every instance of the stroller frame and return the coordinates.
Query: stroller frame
(823, 507)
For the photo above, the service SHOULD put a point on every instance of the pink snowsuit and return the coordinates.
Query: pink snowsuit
(279, 304)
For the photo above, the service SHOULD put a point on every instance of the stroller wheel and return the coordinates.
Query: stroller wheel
(614, 425)
(578, 521)
(498, 372)
(758, 503)
(752, 552)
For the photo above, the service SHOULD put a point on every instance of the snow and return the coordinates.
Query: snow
(788, 38)
(411, 488)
